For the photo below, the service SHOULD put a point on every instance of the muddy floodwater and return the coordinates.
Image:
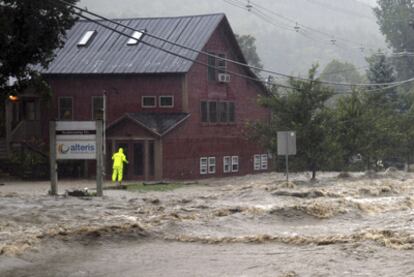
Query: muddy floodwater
(256, 225)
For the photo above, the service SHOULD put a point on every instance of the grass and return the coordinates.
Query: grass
(141, 187)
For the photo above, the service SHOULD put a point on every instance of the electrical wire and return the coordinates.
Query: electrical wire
(340, 10)
(259, 7)
(385, 85)
(232, 72)
(226, 59)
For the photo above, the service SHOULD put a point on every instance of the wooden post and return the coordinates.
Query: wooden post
(146, 160)
(287, 157)
(99, 158)
(9, 118)
(53, 164)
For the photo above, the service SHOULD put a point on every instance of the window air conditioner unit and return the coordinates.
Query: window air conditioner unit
(223, 78)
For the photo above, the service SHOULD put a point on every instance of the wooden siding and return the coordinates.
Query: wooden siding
(184, 146)
(178, 153)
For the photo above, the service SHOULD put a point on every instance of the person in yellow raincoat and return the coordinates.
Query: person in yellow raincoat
(118, 166)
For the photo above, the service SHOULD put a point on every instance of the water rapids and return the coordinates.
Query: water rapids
(365, 226)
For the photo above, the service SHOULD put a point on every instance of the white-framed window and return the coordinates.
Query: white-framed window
(65, 108)
(166, 101)
(148, 101)
(260, 162)
(211, 165)
(257, 162)
(263, 165)
(234, 163)
(203, 166)
(227, 164)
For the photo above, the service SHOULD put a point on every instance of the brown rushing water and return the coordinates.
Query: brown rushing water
(245, 226)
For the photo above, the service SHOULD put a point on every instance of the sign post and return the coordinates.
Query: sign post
(286, 145)
(99, 158)
(76, 140)
(53, 164)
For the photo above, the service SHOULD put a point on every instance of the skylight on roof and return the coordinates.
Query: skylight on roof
(136, 36)
(87, 37)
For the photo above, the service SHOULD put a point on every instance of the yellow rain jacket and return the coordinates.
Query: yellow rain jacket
(119, 158)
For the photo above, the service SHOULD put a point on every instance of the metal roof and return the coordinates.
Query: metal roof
(159, 123)
(108, 52)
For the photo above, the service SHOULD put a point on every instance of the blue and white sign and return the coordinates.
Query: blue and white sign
(76, 140)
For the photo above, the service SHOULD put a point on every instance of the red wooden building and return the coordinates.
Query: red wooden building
(176, 118)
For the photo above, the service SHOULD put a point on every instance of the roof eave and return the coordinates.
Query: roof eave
(175, 125)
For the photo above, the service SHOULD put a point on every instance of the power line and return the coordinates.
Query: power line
(391, 84)
(226, 59)
(255, 6)
(347, 70)
(232, 72)
(340, 10)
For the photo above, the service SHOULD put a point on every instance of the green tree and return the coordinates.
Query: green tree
(368, 121)
(394, 18)
(248, 46)
(366, 128)
(301, 109)
(30, 31)
(381, 71)
(343, 72)
(350, 126)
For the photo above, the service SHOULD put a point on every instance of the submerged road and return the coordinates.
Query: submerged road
(244, 226)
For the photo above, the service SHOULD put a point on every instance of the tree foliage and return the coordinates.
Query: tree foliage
(248, 46)
(301, 109)
(381, 71)
(395, 21)
(368, 120)
(30, 31)
(343, 72)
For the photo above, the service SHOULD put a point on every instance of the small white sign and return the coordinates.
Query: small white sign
(75, 125)
(76, 140)
(286, 143)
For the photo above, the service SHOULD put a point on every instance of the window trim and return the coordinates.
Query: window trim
(166, 96)
(233, 158)
(257, 162)
(203, 166)
(147, 106)
(264, 163)
(59, 107)
(260, 162)
(211, 163)
(228, 164)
